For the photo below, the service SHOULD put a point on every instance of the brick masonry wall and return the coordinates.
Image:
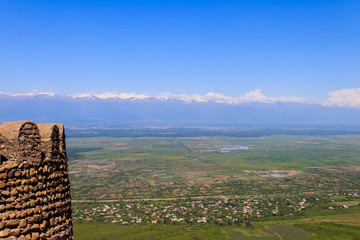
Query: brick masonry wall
(35, 200)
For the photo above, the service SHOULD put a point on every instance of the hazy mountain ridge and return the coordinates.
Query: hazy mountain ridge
(252, 96)
(60, 108)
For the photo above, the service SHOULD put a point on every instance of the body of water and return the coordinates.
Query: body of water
(231, 148)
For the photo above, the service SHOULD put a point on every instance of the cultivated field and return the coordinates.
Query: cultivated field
(216, 187)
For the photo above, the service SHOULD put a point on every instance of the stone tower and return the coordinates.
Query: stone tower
(35, 198)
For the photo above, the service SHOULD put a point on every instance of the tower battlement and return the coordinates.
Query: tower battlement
(35, 200)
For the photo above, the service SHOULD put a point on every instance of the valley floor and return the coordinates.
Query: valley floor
(318, 224)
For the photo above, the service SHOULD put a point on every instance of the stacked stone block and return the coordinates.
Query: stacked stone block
(35, 198)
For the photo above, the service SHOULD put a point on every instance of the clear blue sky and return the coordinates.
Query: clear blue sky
(287, 48)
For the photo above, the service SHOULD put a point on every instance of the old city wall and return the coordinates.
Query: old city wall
(35, 198)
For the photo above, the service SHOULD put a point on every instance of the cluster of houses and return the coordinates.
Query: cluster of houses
(210, 210)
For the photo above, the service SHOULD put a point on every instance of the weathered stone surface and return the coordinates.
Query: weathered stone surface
(5, 193)
(3, 176)
(35, 236)
(11, 223)
(14, 192)
(17, 173)
(5, 216)
(9, 206)
(10, 200)
(23, 214)
(2, 225)
(43, 236)
(52, 222)
(30, 212)
(25, 197)
(34, 185)
(22, 223)
(5, 233)
(32, 172)
(26, 230)
(43, 225)
(19, 189)
(15, 232)
(38, 201)
(35, 219)
(33, 180)
(11, 173)
(35, 227)
(45, 215)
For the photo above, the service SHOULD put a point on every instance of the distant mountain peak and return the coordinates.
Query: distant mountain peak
(251, 108)
(341, 98)
(252, 96)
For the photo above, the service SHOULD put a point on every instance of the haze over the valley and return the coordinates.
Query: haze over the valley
(253, 108)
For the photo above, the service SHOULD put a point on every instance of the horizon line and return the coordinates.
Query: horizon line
(341, 98)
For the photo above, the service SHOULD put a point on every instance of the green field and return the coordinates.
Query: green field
(120, 167)
(341, 224)
(89, 231)
(287, 187)
(270, 152)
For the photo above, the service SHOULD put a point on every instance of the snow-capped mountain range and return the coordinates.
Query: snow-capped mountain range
(252, 96)
(342, 107)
